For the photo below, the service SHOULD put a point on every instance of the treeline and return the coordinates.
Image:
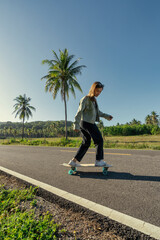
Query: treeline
(131, 130)
(38, 129)
(46, 129)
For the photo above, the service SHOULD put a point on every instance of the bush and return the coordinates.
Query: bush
(131, 130)
(19, 224)
(155, 130)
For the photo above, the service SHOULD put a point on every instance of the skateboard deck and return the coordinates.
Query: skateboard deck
(74, 169)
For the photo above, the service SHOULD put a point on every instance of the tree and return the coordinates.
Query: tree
(148, 120)
(23, 109)
(154, 117)
(135, 122)
(62, 77)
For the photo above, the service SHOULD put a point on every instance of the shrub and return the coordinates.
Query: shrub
(19, 224)
(131, 130)
(155, 130)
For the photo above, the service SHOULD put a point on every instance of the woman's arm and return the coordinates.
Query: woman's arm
(104, 115)
(77, 118)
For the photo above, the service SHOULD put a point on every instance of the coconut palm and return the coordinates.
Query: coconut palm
(154, 117)
(135, 122)
(23, 109)
(62, 77)
(148, 120)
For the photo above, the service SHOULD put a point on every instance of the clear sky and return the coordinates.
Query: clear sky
(118, 41)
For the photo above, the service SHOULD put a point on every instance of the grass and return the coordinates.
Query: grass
(17, 223)
(151, 142)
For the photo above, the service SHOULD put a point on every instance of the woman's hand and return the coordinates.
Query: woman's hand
(110, 117)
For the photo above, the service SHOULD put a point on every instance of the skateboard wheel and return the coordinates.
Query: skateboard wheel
(70, 172)
(105, 172)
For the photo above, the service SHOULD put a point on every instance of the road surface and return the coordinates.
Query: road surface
(132, 186)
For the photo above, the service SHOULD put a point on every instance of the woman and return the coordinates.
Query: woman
(88, 113)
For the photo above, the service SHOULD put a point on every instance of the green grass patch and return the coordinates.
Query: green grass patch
(15, 223)
(120, 142)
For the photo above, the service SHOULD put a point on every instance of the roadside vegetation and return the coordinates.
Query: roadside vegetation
(18, 221)
(26, 215)
(147, 142)
(54, 129)
(132, 135)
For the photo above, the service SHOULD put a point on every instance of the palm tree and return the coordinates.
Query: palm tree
(154, 117)
(135, 122)
(23, 109)
(148, 120)
(62, 77)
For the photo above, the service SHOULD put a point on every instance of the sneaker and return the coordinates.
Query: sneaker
(73, 164)
(100, 163)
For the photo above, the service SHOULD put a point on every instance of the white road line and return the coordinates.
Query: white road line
(139, 225)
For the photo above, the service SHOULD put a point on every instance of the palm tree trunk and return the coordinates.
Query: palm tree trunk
(23, 129)
(65, 106)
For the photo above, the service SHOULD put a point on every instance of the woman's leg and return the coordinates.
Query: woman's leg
(85, 144)
(89, 130)
(98, 140)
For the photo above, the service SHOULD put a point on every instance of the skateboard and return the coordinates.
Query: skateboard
(74, 169)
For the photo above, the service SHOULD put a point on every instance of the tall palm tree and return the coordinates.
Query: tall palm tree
(148, 120)
(62, 77)
(23, 109)
(154, 117)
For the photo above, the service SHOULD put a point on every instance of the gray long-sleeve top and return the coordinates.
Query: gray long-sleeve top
(88, 111)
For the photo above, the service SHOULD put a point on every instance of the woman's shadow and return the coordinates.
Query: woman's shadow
(117, 175)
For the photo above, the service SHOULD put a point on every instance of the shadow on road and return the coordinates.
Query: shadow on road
(117, 175)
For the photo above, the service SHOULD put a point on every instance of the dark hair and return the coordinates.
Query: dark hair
(93, 87)
(99, 85)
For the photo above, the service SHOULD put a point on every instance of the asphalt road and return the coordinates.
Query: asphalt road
(131, 187)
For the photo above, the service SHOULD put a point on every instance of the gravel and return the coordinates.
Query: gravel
(78, 222)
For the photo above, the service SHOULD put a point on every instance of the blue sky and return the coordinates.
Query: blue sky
(118, 41)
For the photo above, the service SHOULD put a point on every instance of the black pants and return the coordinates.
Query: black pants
(89, 131)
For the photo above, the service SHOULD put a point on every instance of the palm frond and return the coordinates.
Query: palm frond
(55, 54)
(72, 91)
(70, 58)
(56, 90)
(54, 73)
(28, 113)
(74, 64)
(46, 61)
(77, 70)
(67, 61)
(33, 108)
(45, 77)
(50, 84)
(76, 84)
